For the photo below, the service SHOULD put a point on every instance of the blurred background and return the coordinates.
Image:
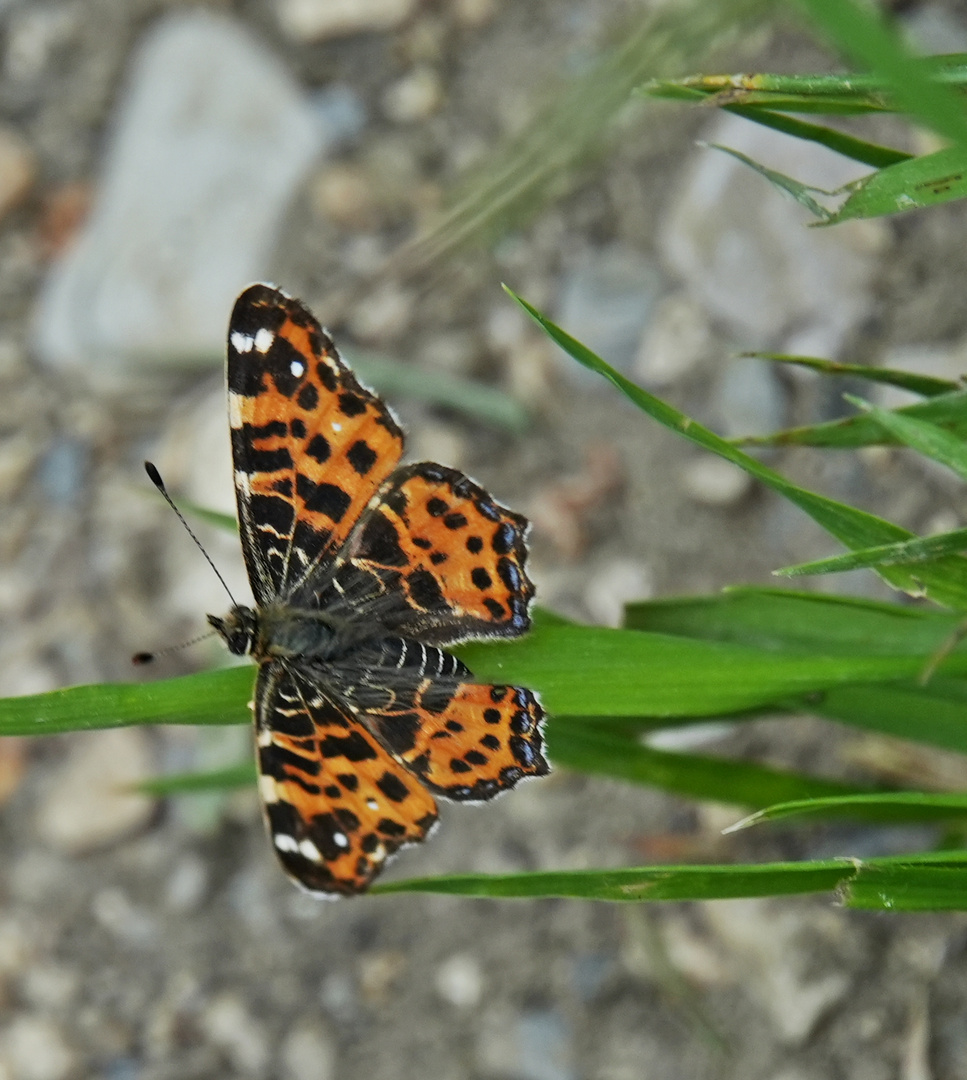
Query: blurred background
(391, 162)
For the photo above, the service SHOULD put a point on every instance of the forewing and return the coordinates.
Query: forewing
(463, 740)
(438, 559)
(338, 805)
(310, 445)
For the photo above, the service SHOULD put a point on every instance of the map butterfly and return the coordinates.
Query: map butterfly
(362, 570)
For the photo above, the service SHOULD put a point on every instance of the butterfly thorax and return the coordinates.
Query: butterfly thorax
(276, 631)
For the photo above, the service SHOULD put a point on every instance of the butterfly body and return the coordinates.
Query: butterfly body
(363, 571)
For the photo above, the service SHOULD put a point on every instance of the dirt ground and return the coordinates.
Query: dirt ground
(146, 941)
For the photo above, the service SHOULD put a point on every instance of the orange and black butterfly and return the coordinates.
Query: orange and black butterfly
(362, 570)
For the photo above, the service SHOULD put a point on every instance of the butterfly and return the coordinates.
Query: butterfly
(363, 570)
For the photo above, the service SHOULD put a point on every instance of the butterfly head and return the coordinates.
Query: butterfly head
(239, 629)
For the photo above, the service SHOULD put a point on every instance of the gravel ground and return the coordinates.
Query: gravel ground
(146, 941)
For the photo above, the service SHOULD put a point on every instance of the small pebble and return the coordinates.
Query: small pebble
(18, 170)
(712, 481)
(33, 1048)
(85, 806)
(230, 1026)
(614, 585)
(459, 981)
(416, 96)
(316, 20)
(307, 1053)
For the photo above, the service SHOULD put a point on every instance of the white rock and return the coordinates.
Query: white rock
(744, 251)
(414, 97)
(34, 1049)
(85, 806)
(307, 1053)
(232, 1028)
(210, 141)
(676, 340)
(315, 20)
(750, 397)
(606, 301)
(613, 586)
(459, 981)
(712, 481)
(18, 169)
(773, 945)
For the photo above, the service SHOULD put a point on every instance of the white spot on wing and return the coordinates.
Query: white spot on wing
(308, 850)
(336, 426)
(340, 840)
(263, 340)
(241, 342)
(372, 804)
(235, 410)
(268, 789)
(297, 368)
(284, 842)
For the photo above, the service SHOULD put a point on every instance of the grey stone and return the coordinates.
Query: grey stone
(85, 805)
(211, 138)
(606, 301)
(745, 253)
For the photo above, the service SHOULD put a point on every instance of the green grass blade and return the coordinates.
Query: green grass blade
(861, 150)
(914, 886)
(213, 697)
(928, 439)
(926, 385)
(933, 714)
(907, 552)
(579, 671)
(781, 620)
(886, 808)
(641, 883)
(862, 33)
(948, 411)
(491, 406)
(908, 185)
(802, 193)
(234, 776)
(596, 748)
(944, 581)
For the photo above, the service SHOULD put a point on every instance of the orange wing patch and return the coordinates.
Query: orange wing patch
(460, 555)
(469, 743)
(338, 804)
(311, 446)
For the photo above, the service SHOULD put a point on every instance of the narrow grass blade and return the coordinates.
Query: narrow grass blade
(907, 552)
(839, 142)
(782, 620)
(213, 697)
(887, 808)
(915, 883)
(475, 400)
(944, 580)
(948, 411)
(905, 380)
(802, 193)
(928, 439)
(908, 185)
(641, 883)
(235, 776)
(595, 748)
(863, 34)
(932, 714)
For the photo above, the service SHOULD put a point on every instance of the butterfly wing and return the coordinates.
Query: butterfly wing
(463, 740)
(437, 559)
(338, 804)
(310, 445)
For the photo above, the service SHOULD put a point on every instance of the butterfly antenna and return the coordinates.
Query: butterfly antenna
(149, 657)
(155, 477)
